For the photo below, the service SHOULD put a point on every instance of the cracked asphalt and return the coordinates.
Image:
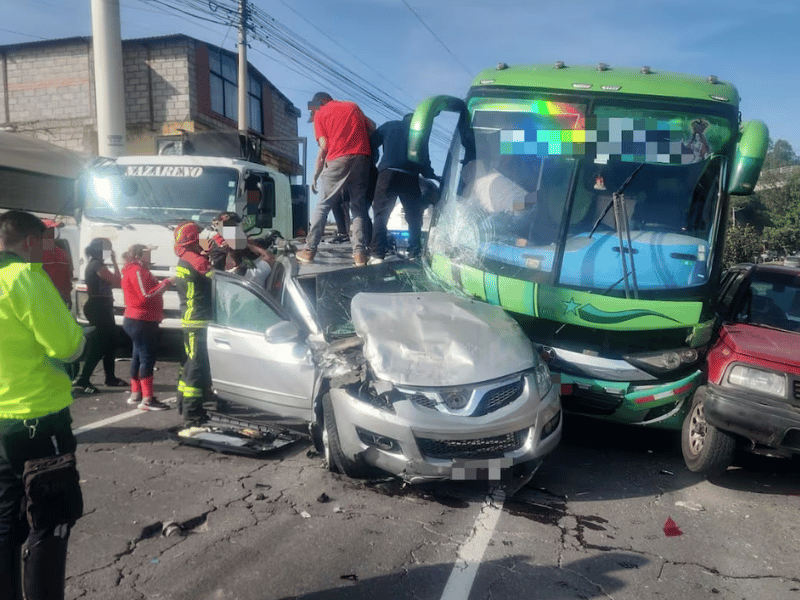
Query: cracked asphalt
(589, 525)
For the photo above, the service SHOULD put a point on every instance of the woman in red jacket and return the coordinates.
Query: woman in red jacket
(144, 310)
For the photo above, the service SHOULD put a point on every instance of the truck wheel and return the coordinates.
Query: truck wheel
(334, 456)
(706, 449)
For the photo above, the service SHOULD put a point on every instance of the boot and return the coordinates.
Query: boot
(11, 571)
(44, 566)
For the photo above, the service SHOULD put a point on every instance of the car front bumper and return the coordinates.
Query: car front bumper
(422, 444)
(771, 422)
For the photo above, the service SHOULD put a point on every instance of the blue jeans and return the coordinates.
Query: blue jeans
(144, 335)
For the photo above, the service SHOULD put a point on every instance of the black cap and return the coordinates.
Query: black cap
(318, 100)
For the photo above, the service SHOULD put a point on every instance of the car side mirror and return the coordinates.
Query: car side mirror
(281, 333)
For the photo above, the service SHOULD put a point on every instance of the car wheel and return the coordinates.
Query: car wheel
(705, 448)
(334, 456)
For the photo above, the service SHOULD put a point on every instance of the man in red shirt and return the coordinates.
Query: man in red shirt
(343, 163)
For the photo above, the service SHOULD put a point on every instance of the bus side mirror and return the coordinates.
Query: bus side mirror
(422, 122)
(750, 153)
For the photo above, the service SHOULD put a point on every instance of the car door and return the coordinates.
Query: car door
(274, 376)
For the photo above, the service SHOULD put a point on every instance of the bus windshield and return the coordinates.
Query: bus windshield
(162, 193)
(609, 198)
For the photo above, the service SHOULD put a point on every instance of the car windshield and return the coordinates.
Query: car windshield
(773, 299)
(552, 191)
(336, 289)
(162, 193)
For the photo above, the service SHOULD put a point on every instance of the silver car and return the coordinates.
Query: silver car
(390, 373)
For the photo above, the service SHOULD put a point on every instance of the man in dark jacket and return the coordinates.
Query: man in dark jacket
(397, 176)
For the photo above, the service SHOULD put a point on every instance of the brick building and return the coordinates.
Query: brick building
(172, 83)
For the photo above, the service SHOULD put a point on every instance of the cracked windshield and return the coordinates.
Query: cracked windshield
(399, 299)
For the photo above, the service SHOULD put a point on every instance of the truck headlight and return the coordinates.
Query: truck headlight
(759, 380)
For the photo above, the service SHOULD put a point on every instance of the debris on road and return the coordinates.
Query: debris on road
(671, 529)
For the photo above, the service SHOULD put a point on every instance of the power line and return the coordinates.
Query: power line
(437, 38)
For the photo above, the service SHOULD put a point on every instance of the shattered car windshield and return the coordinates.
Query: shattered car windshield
(532, 196)
(336, 289)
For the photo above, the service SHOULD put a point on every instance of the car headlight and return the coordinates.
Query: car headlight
(659, 363)
(543, 380)
(766, 382)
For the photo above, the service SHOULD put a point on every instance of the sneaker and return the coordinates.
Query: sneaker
(152, 404)
(85, 388)
(117, 383)
(305, 256)
(340, 238)
(360, 258)
(135, 398)
(375, 260)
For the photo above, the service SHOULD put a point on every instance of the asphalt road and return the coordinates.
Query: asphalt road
(591, 524)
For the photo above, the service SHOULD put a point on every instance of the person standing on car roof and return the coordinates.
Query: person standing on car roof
(144, 310)
(37, 334)
(343, 162)
(397, 176)
(193, 283)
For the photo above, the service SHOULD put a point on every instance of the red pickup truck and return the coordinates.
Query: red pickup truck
(751, 398)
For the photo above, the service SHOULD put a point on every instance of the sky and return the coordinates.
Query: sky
(412, 49)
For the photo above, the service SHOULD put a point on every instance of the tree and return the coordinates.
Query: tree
(743, 244)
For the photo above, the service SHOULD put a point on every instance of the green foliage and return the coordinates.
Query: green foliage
(743, 244)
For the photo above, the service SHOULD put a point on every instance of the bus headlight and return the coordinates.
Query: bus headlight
(660, 363)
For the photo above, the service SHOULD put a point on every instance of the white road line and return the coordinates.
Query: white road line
(470, 554)
(114, 419)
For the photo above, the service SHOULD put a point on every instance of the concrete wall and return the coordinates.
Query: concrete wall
(48, 92)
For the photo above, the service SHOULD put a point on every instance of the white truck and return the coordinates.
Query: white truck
(140, 199)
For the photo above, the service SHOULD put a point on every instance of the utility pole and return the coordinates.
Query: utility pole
(109, 86)
(243, 78)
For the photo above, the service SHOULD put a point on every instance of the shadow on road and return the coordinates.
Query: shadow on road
(513, 576)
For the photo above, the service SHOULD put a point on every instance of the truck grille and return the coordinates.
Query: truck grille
(491, 447)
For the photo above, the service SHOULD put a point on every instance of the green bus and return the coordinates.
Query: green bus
(591, 202)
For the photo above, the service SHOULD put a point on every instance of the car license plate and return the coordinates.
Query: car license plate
(486, 469)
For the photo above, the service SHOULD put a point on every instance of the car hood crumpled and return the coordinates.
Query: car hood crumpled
(436, 339)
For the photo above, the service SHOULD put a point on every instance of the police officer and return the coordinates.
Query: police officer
(193, 283)
(37, 333)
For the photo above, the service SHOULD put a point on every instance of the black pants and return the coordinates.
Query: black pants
(389, 186)
(194, 384)
(144, 335)
(102, 341)
(45, 551)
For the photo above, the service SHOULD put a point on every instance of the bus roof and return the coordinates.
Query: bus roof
(611, 80)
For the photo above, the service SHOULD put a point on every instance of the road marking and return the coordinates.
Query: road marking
(459, 585)
(114, 419)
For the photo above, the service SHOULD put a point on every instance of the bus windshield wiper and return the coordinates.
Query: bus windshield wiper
(621, 219)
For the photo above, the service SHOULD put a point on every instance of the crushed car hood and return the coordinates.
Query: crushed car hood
(436, 339)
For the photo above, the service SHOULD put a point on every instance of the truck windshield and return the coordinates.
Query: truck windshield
(615, 198)
(163, 193)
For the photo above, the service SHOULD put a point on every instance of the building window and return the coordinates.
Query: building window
(224, 90)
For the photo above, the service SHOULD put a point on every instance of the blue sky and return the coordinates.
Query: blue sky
(752, 44)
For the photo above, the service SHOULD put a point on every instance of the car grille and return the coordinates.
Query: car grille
(491, 447)
(796, 392)
(499, 397)
(491, 401)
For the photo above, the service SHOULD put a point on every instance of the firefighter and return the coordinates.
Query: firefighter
(193, 283)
